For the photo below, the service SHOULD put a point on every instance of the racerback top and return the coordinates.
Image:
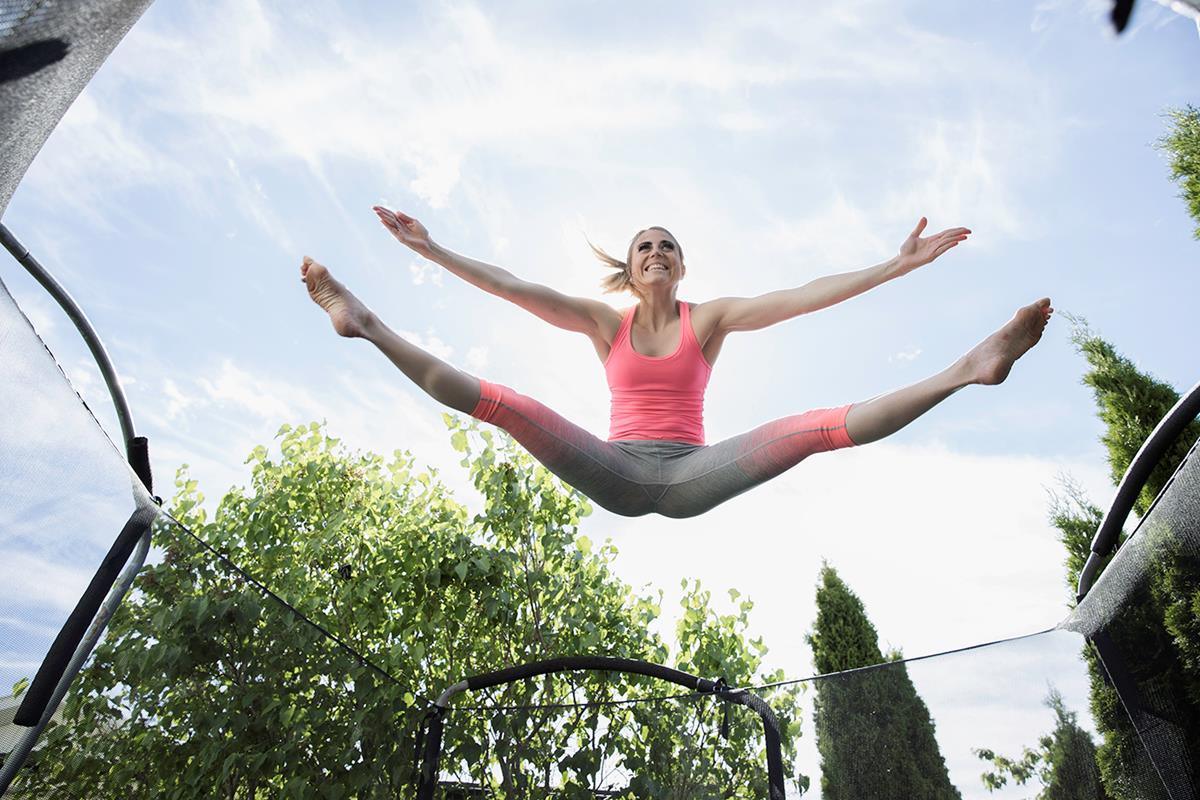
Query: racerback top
(657, 397)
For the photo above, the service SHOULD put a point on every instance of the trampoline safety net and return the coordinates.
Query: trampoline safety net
(209, 685)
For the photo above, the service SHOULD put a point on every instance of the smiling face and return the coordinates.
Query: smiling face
(655, 260)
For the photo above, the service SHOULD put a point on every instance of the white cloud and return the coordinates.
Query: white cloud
(430, 343)
(422, 271)
(476, 360)
(261, 396)
(970, 169)
(840, 235)
(95, 151)
(741, 121)
(911, 354)
(373, 409)
(425, 104)
(1047, 12)
(177, 401)
(47, 581)
(39, 311)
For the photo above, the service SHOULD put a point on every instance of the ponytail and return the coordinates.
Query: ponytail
(619, 281)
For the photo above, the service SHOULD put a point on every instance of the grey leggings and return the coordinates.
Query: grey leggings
(675, 479)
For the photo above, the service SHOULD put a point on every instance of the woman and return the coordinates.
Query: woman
(658, 356)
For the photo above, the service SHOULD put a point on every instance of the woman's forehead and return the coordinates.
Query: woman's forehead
(654, 235)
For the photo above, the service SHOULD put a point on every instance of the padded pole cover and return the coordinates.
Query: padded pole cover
(38, 695)
(571, 663)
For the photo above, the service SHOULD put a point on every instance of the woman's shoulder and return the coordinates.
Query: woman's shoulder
(707, 309)
(614, 320)
(707, 316)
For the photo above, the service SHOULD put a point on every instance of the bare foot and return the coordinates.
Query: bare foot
(990, 361)
(347, 313)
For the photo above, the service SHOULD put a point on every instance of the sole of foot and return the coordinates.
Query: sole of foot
(994, 357)
(346, 312)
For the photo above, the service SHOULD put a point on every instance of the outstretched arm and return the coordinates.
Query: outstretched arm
(578, 314)
(753, 313)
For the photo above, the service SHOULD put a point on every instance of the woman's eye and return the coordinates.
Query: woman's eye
(668, 246)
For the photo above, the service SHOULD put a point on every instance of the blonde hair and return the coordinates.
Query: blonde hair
(621, 280)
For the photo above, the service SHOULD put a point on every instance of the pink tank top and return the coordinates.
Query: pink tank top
(657, 398)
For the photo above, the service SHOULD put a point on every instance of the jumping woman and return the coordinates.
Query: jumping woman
(658, 356)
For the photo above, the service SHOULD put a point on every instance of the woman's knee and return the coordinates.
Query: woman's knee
(453, 387)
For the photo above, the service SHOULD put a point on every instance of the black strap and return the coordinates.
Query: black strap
(429, 744)
(138, 453)
(33, 706)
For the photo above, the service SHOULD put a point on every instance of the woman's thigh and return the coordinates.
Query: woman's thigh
(609, 475)
(711, 475)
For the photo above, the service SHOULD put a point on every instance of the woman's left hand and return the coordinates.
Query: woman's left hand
(917, 251)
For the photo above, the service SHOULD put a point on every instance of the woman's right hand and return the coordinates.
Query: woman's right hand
(408, 231)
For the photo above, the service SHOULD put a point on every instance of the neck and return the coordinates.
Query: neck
(656, 309)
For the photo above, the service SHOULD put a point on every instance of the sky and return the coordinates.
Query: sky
(223, 141)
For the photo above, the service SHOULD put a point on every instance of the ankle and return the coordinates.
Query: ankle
(961, 373)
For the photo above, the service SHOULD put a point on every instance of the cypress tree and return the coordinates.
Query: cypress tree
(1162, 621)
(1182, 146)
(874, 733)
(1065, 761)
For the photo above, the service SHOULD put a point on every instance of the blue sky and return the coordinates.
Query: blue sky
(223, 141)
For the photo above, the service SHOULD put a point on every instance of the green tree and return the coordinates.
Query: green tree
(204, 688)
(874, 732)
(1182, 146)
(682, 759)
(1162, 621)
(1064, 763)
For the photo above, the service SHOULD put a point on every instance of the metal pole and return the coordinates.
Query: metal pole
(72, 309)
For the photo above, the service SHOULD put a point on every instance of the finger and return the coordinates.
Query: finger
(955, 232)
(943, 248)
(920, 227)
(389, 221)
(405, 218)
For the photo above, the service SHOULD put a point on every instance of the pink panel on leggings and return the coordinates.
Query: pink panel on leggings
(778, 446)
(489, 401)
